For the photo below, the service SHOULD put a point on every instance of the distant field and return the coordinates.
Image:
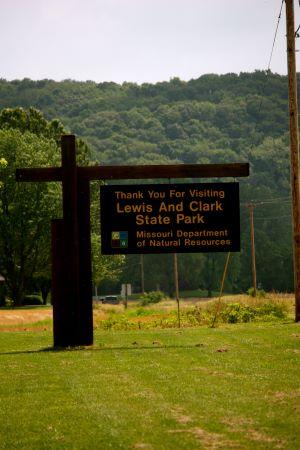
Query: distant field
(162, 314)
(19, 319)
(235, 386)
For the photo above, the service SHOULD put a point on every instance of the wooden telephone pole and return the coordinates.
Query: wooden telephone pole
(176, 283)
(142, 275)
(294, 147)
(253, 259)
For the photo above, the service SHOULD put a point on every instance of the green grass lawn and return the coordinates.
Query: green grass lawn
(237, 386)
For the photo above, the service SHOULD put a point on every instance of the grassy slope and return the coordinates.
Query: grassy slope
(164, 389)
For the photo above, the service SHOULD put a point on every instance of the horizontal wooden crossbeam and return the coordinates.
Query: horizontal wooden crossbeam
(138, 172)
(39, 174)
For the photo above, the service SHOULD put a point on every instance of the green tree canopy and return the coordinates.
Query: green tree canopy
(210, 119)
(25, 209)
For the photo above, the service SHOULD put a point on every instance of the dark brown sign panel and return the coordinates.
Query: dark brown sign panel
(169, 218)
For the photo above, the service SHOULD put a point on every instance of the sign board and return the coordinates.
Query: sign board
(125, 290)
(170, 218)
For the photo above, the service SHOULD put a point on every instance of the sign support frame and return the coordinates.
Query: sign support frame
(71, 238)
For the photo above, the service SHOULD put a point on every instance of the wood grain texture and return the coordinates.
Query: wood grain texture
(138, 172)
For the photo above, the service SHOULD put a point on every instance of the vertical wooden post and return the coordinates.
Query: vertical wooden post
(253, 256)
(142, 274)
(71, 257)
(71, 244)
(85, 264)
(62, 326)
(217, 310)
(294, 147)
(176, 287)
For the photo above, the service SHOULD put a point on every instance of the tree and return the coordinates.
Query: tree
(212, 119)
(104, 267)
(25, 209)
(29, 122)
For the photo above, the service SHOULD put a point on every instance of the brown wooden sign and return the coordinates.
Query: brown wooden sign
(71, 240)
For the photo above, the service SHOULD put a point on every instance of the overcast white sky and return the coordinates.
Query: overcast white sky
(139, 40)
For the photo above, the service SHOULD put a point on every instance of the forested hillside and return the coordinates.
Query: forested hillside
(179, 121)
(212, 119)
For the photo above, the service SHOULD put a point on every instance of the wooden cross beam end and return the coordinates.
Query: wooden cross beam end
(138, 172)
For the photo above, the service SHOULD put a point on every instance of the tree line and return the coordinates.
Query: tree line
(212, 119)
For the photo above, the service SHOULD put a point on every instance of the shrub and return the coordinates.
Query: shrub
(32, 300)
(9, 303)
(235, 312)
(152, 297)
(194, 316)
(117, 323)
(271, 310)
(260, 293)
(140, 312)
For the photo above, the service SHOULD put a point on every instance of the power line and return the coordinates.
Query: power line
(245, 220)
(274, 199)
(274, 40)
(268, 71)
(268, 201)
(272, 218)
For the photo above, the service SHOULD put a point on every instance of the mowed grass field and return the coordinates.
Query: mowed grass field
(235, 386)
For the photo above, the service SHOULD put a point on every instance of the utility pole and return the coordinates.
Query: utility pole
(126, 296)
(253, 259)
(142, 274)
(176, 287)
(294, 147)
